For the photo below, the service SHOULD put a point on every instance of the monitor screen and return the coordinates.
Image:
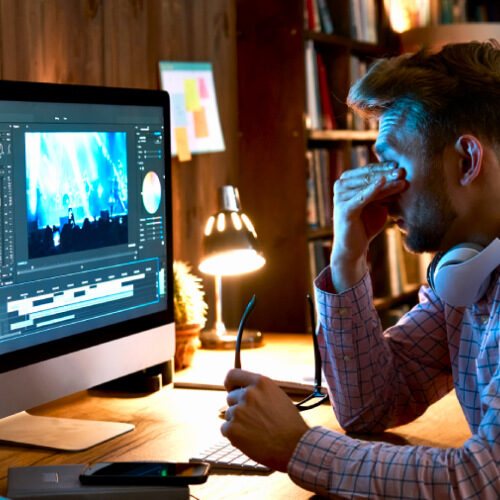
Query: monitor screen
(85, 234)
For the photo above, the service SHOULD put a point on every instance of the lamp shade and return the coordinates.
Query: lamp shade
(230, 243)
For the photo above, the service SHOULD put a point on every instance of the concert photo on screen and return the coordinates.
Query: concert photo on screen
(76, 191)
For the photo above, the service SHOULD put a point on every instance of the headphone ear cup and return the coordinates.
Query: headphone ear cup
(461, 276)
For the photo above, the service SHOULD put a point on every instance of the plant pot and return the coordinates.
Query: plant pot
(187, 341)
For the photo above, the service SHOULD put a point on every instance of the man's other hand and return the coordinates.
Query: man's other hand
(261, 420)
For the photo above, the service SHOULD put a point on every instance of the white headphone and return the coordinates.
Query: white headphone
(461, 276)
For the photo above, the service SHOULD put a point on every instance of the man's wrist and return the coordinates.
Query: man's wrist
(347, 272)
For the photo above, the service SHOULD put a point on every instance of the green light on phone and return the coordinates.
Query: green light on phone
(164, 472)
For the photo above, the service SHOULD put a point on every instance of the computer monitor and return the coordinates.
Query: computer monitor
(85, 245)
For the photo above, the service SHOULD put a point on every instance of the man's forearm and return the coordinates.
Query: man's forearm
(337, 466)
(346, 272)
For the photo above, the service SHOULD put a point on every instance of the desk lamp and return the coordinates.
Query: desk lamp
(230, 248)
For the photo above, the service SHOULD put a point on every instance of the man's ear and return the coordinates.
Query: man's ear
(470, 151)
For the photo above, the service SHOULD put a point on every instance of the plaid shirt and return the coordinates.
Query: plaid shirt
(381, 379)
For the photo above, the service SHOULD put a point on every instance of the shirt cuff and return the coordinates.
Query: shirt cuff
(338, 312)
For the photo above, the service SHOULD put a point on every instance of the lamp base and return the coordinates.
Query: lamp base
(211, 339)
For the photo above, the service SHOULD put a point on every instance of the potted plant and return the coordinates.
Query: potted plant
(190, 313)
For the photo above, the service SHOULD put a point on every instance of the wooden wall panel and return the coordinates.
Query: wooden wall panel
(51, 41)
(271, 97)
(119, 43)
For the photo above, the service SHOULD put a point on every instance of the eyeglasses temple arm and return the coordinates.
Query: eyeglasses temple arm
(317, 354)
(248, 310)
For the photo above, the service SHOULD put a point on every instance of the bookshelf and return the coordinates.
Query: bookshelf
(279, 145)
(276, 142)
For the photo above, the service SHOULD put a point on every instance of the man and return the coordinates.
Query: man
(439, 179)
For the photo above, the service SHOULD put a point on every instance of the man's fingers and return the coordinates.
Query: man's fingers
(384, 168)
(363, 177)
(235, 396)
(361, 195)
(236, 378)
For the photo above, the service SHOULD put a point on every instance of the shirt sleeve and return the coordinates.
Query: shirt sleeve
(337, 466)
(380, 379)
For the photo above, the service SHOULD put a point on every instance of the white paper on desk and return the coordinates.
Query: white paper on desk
(298, 380)
(61, 482)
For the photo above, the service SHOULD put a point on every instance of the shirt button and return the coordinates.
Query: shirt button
(347, 358)
(343, 311)
(485, 319)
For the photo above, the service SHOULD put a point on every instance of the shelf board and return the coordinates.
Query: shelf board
(342, 135)
(320, 233)
(355, 46)
(437, 36)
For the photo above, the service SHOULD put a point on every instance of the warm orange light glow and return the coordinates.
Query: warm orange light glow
(407, 14)
(398, 15)
(235, 217)
(232, 263)
(209, 225)
(249, 225)
(221, 222)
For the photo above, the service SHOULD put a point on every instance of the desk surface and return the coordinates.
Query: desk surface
(174, 424)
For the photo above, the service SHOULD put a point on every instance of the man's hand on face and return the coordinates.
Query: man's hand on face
(261, 420)
(361, 199)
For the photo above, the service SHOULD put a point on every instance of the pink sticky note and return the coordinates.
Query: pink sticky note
(203, 88)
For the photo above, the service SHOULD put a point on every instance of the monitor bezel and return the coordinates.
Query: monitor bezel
(87, 94)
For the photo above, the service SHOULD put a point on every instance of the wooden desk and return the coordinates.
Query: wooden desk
(174, 424)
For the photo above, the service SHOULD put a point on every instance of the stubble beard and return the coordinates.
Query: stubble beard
(433, 215)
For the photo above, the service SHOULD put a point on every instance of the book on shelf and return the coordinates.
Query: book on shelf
(319, 109)
(319, 255)
(363, 20)
(317, 16)
(395, 270)
(313, 119)
(325, 182)
(327, 117)
(360, 156)
(324, 166)
(311, 15)
(357, 69)
(396, 265)
(483, 11)
(325, 17)
(312, 218)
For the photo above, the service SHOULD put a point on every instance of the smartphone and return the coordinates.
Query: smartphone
(146, 473)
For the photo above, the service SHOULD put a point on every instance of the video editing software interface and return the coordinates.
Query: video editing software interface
(82, 218)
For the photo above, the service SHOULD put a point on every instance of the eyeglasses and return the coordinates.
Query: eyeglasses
(316, 397)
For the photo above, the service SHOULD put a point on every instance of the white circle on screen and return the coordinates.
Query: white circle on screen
(151, 192)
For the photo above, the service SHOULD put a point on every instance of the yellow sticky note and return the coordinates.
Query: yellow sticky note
(200, 123)
(192, 94)
(181, 142)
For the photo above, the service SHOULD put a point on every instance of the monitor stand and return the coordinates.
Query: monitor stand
(65, 434)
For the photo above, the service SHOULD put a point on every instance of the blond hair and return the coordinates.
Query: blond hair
(442, 95)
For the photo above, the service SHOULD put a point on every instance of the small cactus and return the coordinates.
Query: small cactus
(189, 297)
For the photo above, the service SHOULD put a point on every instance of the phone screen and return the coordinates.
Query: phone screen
(168, 473)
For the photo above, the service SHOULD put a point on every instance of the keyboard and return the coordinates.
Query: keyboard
(223, 456)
